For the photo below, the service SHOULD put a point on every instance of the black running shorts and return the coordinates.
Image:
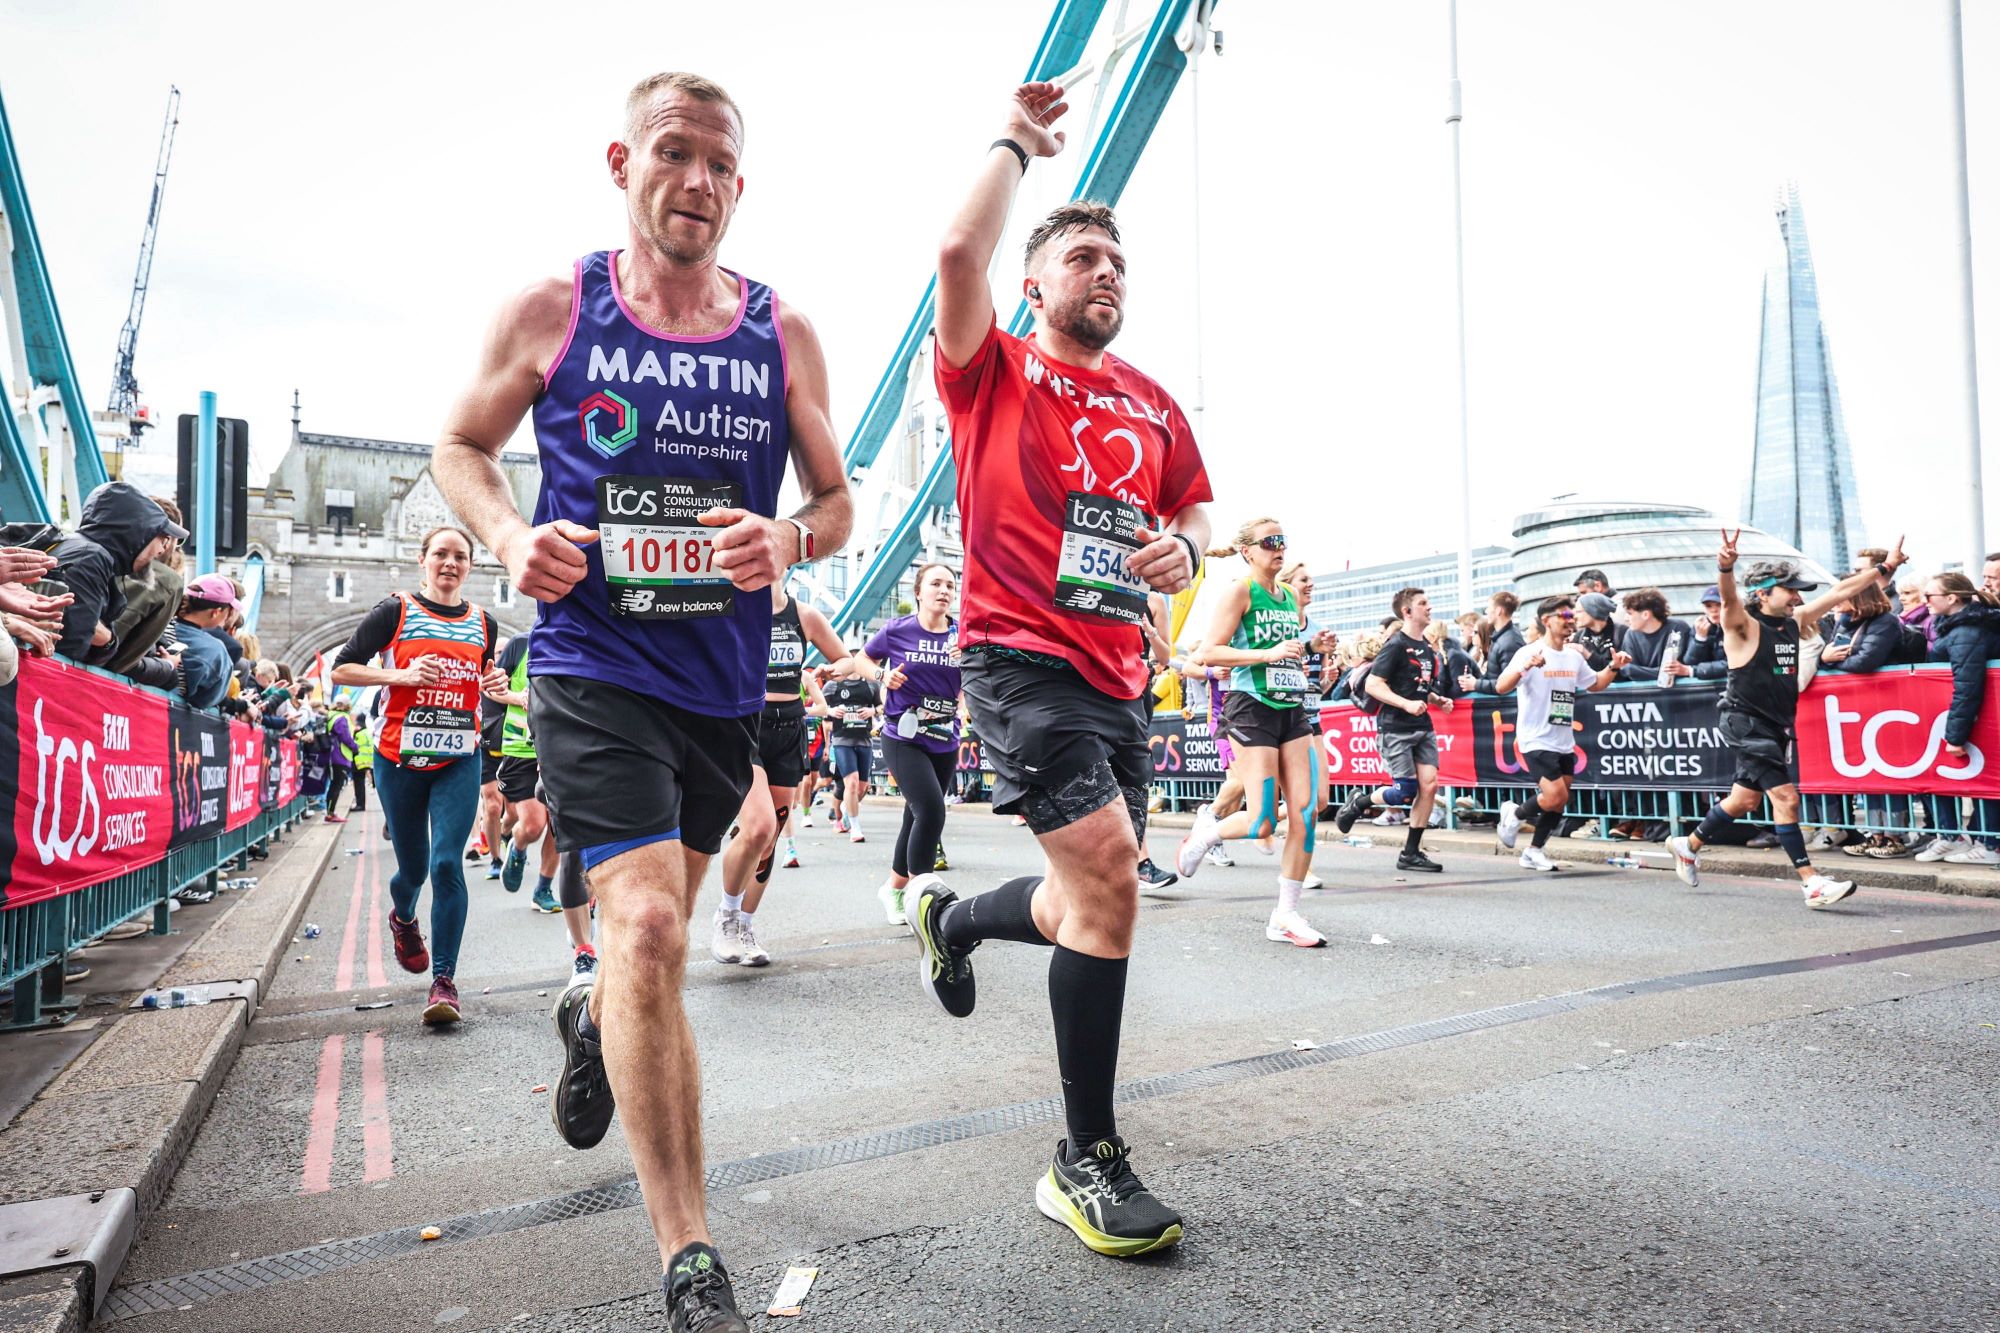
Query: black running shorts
(1041, 726)
(1763, 753)
(489, 767)
(619, 766)
(1552, 765)
(1252, 723)
(781, 743)
(518, 776)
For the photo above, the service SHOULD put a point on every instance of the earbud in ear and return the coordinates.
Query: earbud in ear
(1035, 292)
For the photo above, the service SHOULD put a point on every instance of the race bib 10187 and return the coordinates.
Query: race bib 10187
(659, 563)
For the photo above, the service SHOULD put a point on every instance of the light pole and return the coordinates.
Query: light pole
(1453, 115)
(1962, 225)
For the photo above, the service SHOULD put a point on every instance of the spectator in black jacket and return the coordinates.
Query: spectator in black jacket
(1866, 636)
(1506, 640)
(1704, 648)
(1649, 630)
(1968, 637)
(121, 533)
(1596, 637)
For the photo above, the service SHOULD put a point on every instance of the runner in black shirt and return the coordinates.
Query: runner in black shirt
(1761, 701)
(855, 704)
(1407, 681)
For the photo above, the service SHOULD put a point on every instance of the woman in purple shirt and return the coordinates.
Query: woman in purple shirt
(916, 658)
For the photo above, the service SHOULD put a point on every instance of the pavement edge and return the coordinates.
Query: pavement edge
(114, 1121)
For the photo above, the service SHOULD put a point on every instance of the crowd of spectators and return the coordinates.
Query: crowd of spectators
(1945, 618)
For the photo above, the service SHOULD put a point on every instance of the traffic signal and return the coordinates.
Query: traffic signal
(231, 486)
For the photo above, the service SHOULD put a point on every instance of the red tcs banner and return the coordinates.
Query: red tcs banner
(1347, 736)
(84, 766)
(246, 774)
(1884, 732)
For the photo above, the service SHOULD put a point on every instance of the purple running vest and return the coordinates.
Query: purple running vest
(639, 430)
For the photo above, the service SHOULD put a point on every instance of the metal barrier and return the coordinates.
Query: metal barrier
(37, 939)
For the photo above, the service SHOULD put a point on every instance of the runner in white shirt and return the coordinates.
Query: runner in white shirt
(1550, 674)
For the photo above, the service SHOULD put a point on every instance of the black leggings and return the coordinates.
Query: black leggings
(333, 790)
(923, 778)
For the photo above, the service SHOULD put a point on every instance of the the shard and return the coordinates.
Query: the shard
(1801, 473)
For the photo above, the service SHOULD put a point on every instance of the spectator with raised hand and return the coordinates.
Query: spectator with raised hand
(1967, 621)
(34, 619)
(1704, 647)
(1649, 633)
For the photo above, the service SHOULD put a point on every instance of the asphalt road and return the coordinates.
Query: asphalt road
(1593, 1100)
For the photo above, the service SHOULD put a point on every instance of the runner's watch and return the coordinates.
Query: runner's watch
(806, 543)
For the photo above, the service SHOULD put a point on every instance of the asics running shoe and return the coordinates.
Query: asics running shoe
(544, 900)
(582, 1104)
(510, 874)
(1096, 1194)
(946, 973)
(699, 1297)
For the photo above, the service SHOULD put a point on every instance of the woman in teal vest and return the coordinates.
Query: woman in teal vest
(1256, 633)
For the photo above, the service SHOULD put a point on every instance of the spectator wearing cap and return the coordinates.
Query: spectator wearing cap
(1649, 631)
(1596, 636)
(207, 602)
(121, 533)
(1704, 650)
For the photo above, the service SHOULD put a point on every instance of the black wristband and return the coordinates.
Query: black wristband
(1013, 148)
(1884, 570)
(1194, 553)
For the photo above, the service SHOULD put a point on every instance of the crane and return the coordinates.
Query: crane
(124, 385)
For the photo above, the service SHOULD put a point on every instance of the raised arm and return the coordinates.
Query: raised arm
(1850, 585)
(1735, 620)
(543, 562)
(964, 301)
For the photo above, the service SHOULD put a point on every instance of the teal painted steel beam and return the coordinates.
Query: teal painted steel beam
(21, 499)
(1061, 47)
(1142, 98)
(45, 344)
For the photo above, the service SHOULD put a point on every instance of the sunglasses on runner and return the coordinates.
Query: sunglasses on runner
(1274, 542)
(1563, 615)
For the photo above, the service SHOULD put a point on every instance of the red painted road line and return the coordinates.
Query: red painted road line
(343, 970)
(375, 1111)
(378, 927)
(317, 1175)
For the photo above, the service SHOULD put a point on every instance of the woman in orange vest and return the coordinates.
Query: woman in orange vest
(437, 655)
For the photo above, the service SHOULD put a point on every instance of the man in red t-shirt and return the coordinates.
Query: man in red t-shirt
(1080, 489)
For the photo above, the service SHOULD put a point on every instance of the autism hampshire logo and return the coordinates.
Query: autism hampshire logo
(609, 424)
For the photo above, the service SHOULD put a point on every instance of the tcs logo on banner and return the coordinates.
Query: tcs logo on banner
(1870, 739)
(71, 765)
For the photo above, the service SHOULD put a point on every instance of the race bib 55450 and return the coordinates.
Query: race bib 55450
(1091, 575)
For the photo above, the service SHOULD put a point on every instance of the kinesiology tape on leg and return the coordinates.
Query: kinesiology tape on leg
(1310, 815)
(1793, 842)
(1267, 809)
(1048, 809)
(1005, 913)
(771, 853)
(1712, 823)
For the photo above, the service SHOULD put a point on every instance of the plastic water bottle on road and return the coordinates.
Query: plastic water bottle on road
(180, 997)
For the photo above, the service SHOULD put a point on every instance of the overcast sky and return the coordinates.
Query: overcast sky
(355, 188)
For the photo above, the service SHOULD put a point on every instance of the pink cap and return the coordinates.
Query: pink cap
(214, 588)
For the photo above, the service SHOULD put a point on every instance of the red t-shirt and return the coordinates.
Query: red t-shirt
(1055, 466)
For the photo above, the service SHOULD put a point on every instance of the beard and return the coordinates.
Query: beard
(1076, 320)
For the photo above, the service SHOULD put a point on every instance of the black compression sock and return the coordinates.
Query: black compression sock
(1550, 821)
(1087, 1001)
(1006, 913)
(1712, 823)
(1413, 840)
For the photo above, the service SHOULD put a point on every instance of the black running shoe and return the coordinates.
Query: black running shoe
(699, 1297)
(945, 972)
(582, 1104)
(1152, 877)
(1356, 805)
(1416, 861)
(1099, 1198)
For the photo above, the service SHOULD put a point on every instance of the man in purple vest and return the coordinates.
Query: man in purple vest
(667, 394)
